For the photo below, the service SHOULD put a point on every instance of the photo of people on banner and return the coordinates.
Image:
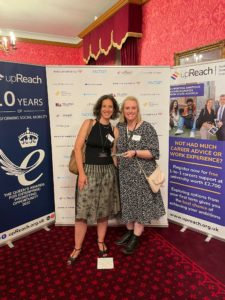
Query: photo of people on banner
(201, 116)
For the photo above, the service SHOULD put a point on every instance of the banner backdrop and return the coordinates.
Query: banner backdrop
(26, 193)
(197, 147)
(72, 93)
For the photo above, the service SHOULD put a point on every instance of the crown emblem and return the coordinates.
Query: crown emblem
(28, 139)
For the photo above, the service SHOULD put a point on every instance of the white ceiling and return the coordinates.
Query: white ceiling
(51, 20)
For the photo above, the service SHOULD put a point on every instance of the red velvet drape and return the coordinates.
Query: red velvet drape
(129, 52)
(114, 32)
(104, 59)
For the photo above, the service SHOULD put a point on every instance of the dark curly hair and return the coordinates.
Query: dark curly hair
(98, 106)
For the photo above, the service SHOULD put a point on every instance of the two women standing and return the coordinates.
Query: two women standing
(97, 196)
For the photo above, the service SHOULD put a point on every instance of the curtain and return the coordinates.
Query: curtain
(124, 25)
(129, 55)
(104, 59)
(92, 62)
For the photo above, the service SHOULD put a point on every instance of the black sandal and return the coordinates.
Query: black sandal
(72, 259)
(104, 252)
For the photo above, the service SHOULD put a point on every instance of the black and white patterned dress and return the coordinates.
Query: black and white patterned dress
(138, 202)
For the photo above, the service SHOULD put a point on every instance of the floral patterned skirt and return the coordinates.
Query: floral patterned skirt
(100, 197)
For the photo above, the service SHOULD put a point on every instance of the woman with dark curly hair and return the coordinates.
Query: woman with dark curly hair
(97, 193)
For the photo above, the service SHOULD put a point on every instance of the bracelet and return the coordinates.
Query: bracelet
(135, 153)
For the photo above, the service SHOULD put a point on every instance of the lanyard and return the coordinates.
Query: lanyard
(131, 135)
(105, 139)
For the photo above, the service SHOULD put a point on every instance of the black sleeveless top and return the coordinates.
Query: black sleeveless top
(98, 143)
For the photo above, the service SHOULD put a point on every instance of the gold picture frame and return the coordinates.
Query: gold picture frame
(201, 54)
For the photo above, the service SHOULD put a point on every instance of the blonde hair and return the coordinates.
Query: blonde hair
(122, 119)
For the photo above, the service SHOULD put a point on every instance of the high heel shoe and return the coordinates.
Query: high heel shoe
(73, 258)
(104, 251)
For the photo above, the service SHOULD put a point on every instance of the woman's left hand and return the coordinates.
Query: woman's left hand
(82, 181)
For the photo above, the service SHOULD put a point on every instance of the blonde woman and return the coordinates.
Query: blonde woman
(137, 140)
(206, 119)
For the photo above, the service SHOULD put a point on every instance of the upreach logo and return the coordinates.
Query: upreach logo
(19, 78)
(175, 75)
(194, 73)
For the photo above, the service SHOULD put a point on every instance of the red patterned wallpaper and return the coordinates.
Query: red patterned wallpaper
(169, 26)
(179, 25)
(43, 54)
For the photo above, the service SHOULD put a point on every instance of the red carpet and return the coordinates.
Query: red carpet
(210, 256)
(36, 269)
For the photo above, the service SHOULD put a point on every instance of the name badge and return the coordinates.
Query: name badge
(110, 138)
(136, 137)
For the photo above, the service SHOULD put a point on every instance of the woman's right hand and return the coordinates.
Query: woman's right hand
(82, 181)
(129, 154)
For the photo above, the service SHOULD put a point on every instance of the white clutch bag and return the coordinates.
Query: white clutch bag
(156, 179)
